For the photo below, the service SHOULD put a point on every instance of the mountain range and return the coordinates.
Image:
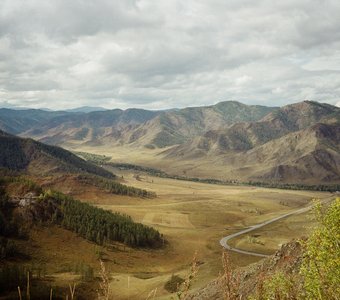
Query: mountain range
(139, 127)
(297, 143)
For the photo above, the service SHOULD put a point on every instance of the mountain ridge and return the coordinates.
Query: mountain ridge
(297, 142)
(145, 128)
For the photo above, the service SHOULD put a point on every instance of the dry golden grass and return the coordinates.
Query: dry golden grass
(269, 238)
(193, 217)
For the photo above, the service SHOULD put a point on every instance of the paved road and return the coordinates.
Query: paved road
(224, 241)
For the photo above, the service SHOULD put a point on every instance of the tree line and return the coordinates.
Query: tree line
(8, 228)
(92, 223)
(115, 187)
(277, 185)
(96, 224)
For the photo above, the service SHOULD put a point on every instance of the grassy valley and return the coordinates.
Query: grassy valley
(142, 193)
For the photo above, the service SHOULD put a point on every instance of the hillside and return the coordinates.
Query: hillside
(288, 145)
(247, 135)
(141, 128)
(55, 237)
(254, 275)
(237, 141)
(310, 156)
(303, 269)
(94, 127)
(37, 158)
(176, 127)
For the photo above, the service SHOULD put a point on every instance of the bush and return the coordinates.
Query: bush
(321, 262)
(172, 285)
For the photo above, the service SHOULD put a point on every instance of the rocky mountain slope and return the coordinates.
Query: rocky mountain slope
(176, 127)
(247, 135)
(93, 128)
(138, 127)
(297, 143)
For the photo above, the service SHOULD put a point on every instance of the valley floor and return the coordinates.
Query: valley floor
(193, 218)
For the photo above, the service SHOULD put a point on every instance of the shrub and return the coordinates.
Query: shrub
(321, 262)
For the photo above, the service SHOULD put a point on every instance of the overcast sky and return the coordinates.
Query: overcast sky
(165, 53)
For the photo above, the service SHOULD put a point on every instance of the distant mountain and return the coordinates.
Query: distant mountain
(297, 143)
(92, 128)
(179, 126)
(86, 109)
(247, 135)
(37, 158)
(141, 128)
(17, 121)
(246, 142)
(14, 107)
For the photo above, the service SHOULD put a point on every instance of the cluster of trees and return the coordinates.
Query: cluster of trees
(7, 248)
(25, 184)
(12, 276)
(115, 187)
(95, 158)
(12, 154)
(8, 228)
(50, 207)
(296, 186)
(321, 263)
(162, 174)
(95, 224)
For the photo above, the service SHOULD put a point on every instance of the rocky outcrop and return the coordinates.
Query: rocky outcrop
(286, 260)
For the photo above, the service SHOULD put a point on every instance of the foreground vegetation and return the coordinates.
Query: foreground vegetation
(319, 274)
(32, 207)
(315, 275)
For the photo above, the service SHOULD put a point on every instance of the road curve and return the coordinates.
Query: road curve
(224, 241)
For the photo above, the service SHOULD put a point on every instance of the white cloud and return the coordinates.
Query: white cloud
(161, 54)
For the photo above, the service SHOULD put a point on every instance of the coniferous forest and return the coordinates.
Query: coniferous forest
(92, 223)
(115, 187)
(95, 224)
(54, 208)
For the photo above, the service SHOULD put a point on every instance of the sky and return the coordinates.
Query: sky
(160, 54)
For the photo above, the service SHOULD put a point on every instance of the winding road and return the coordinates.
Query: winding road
(224, 241)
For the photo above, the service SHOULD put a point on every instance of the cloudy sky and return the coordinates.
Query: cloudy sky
(159, 54)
